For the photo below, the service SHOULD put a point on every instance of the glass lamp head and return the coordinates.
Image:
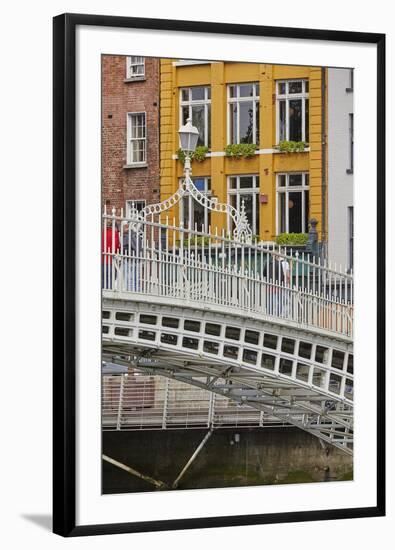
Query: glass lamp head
(188, 137)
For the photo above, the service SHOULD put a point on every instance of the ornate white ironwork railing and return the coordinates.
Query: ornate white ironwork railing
(160, 259)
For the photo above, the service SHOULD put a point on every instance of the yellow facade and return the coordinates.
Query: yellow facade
(268, 162)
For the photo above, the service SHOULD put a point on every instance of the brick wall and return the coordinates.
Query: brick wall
(120, 183)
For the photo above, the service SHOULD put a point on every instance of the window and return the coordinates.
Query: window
(245, 189)
(292, 203)
(350, 169)
(135, 67)
(193, 213)
(243, 113)
(351, 237)
(137, 136)
(293, 110)
(350, 87)
(138, 205)
(195, 103)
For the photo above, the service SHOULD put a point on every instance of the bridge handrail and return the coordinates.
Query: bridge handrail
(163, 256)
(226, 238)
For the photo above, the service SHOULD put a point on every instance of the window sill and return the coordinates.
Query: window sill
(135, 79)
(135, 165)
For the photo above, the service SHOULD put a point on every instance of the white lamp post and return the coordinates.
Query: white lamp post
(188, 140)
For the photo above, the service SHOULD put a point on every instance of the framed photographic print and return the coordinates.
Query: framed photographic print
(218, 213)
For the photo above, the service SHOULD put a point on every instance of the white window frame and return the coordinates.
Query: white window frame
(131, 62)
(232, 100)
(197, 102)
(191, 201)
(139, 204)
(129, 149)
(291, 189)
(254, 191)
(287, 97)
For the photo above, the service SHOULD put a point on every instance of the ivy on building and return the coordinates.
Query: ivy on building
(241, 150)
(199, 154)
(291, 146)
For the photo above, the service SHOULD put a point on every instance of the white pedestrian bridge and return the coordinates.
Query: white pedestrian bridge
(205, 328)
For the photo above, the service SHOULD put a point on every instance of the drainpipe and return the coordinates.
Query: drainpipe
(323, 156)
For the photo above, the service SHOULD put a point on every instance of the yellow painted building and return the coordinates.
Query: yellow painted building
(247, 103)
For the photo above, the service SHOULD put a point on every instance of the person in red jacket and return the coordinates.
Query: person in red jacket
(110, 245)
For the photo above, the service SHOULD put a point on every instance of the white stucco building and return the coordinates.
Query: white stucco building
(340, 166)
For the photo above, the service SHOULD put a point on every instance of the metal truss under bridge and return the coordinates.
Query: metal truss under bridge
(265, 330)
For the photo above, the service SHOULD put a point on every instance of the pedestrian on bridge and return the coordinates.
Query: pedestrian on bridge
(131, 247)
(110, 246)
(277, 272)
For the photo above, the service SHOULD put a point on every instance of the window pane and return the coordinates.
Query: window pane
(199, 184)
(231, 352)
(350, 364)
(281, 88)
(233, 123)
(306, 114)
(306, 86)
(232, 91)
(321, 354)
(338, 359)
(281, 180)
(282, 213)
(285, 367)
(295, 87)
(268, 361)
(288, 345)
(295, 120)
(248, 205)
(232, 183)
(306, 212)
(246, 122)
(185, 203)
(198, 121)
(282, 130)
(198, 215)
(185, 114)
(197, 93)
(295, 179)
(257, 122)
(208, 91)
(305, 350)
(257, 90)
(295, 212)
(138, 151)
(208, 129)
(185, 94)
(233, 202)
(246, 90)
(246, 182)
(233, 333)
(256, 215)
(270, 341)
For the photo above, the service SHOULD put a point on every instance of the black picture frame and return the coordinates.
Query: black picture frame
(64, 273)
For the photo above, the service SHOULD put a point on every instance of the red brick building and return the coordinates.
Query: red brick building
(130, 131)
